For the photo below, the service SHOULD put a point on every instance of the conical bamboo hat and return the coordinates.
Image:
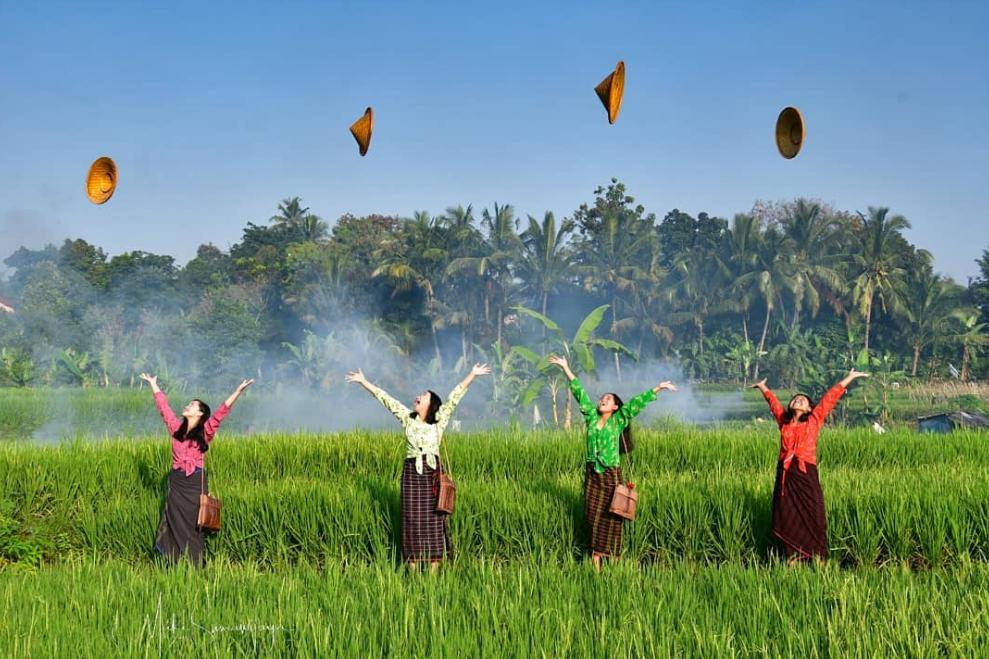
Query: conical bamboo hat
(610, 91)
(790, 132)
(361, 130)
(101, 180)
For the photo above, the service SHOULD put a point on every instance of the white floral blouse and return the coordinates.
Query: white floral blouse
(421, 439)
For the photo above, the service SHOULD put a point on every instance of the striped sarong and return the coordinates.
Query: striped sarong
(425, 533)
(604, 528)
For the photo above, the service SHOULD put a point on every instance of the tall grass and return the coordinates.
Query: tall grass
(334, 499)
(520, 609)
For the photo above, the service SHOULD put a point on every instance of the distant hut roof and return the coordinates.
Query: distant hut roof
(948, 421)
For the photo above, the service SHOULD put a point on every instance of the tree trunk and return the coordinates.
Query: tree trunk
(568, 419)
(700, 335)
(868, 324)
(545, 305)
(916, 359)
(614, 326)
(965, 359)
(745, 334)
(432, 328)
(500, 323)
(556, 413)
(762, 342)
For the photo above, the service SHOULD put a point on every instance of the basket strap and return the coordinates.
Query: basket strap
(202, 476)
(444, 454)
(628, 460)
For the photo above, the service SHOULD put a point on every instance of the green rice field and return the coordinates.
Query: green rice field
(307, 562)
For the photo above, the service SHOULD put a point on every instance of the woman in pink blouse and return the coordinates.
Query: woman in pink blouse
(178, 531)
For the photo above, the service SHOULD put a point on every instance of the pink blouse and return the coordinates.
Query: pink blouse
(185, 453)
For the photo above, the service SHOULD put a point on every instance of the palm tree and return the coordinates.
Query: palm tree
(613, 262)
(812, 258)
(310, 227)
(698, 289)
(290, 212)
(769, 278)
(546, 262)
(464, 240)
(491, 264)
(742, 245)
(793, 357)
(419, 262)
(927, 303)
(878, 260)
(972, 337)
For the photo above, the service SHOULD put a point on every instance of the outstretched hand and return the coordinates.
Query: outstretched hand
(244, 384)
(556, 360)
(480, 369)
(356, 377)
(855, 374)
(761, 384)
(667, 385)
(150, 379)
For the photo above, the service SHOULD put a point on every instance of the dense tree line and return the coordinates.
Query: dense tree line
(781, 290)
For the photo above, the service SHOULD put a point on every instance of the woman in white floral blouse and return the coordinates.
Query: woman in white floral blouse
(425, 533)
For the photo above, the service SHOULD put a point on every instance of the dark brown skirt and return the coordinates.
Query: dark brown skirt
(425, 533)
(798, 512)
(178, 533)
(604, 528)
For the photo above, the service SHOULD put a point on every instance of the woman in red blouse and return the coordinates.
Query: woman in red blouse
(798, 502)
(178, 532)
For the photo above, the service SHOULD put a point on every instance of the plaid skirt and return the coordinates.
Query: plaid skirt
(798, 512)
(425, 532)
(604, 528)
(178, 532)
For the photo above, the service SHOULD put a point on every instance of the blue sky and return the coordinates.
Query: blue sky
(214, 113)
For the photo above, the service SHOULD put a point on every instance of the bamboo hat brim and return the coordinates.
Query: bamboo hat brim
(610, 91)
(790, 132)
(101, 181)
(361, 130)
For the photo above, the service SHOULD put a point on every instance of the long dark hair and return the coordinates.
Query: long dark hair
(625, 443)
(183, 434)
(434, 407)
(788, 415)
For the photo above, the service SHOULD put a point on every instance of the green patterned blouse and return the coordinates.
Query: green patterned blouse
(421, 439)
(602, 443)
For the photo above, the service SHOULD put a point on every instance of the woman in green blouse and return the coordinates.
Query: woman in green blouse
(425, 533)
(607, 422)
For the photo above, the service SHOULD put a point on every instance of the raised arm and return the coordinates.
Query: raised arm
(774, 403)
(457, 393)
(400, 411)
(213, 423)
(584, 402)
(232, 398)
(161, 402)
(830, 399)
(638, 403)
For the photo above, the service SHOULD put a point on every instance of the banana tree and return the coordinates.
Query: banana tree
(79, 365)
(579, 350)
(16, 367)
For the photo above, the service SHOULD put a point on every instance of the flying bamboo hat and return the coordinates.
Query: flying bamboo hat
(101, 180)
(361, 130)
(610, 91)
(790, 132)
